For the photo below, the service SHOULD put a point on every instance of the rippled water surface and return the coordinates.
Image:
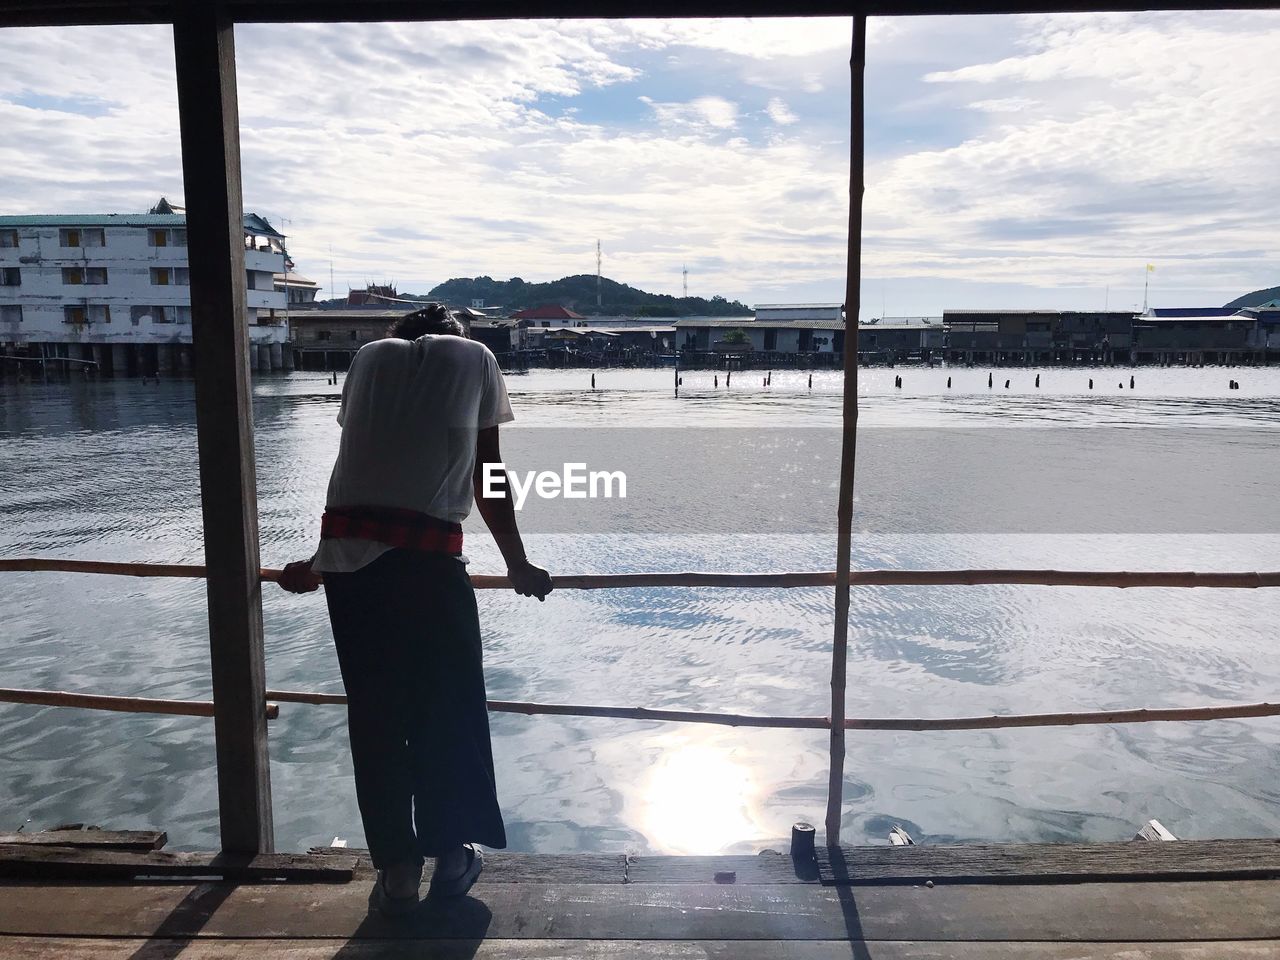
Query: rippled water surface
(107, 470)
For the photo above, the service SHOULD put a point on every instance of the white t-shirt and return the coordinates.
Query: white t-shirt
(410, 413)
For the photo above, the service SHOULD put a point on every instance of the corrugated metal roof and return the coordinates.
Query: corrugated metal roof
(94, 220)
(752, 323)
(1005, 313)
(573, 331)
(251, 221)
(611, 331)
(1191, 311)
(344, 313)
(798, 306)
(1182, 318)
(260, 226)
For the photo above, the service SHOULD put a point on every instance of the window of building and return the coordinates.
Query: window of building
(182, 314)
(69, 238)
(180, 237)
(154, 314)
(78, 275)
(99, 313)
(93, 237)
(78, 314)
(160, 276)
(182, 276)
(322, 334)
(11, 313)
(157, 238)
(355, 334)
(10, 277)
(8, 238)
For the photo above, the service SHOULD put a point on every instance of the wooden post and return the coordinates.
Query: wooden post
(844, 510)
(209, 120)
(802, 841)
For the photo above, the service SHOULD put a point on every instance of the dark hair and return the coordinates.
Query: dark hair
(432, 318)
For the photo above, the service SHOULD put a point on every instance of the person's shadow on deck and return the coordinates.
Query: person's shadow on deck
(456, 929)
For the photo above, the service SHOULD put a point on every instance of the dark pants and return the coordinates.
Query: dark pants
(408, 639)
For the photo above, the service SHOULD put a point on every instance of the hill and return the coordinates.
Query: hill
(578, 293)
(1255, 298)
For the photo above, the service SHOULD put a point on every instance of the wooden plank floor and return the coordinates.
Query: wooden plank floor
(648, 907)
(33, 948)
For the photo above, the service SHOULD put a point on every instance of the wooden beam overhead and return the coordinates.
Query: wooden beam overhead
(209, 119)
(20, 13)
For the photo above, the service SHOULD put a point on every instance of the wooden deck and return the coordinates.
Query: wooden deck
(125, 900)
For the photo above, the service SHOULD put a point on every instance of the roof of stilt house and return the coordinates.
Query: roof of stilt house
(547, 312)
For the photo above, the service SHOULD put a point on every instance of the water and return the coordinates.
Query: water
(108, 471)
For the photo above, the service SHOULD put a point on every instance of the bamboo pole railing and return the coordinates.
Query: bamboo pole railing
(849, 432)
(95, 701)
(1243, 580)
(992, 722)
(204, 708)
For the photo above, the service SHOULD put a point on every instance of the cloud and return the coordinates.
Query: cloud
(1005, 105)
(1051, 152)
(779, 112)
(702, 112)
(1113, 141)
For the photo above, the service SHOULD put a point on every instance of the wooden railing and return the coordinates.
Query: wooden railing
(1246, 580)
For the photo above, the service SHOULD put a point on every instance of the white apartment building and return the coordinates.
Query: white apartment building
(114, 289)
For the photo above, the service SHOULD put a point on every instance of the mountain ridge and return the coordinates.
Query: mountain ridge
(578, 293)
(1254, 298)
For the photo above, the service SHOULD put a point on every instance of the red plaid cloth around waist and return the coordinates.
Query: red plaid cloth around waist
(394, 527)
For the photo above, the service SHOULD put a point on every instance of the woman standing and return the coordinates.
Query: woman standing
(420, 414)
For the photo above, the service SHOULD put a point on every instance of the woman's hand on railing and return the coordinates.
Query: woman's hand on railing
(529, 581)
(298, 577)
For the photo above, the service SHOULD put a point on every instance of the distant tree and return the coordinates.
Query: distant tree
(736, 336)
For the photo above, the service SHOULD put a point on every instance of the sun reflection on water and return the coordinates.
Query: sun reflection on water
(698, 799)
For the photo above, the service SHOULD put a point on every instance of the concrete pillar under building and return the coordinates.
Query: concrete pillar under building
(146, 359)
(289, 361)
(165, 361)
(185, 358)
(119, 360)
(277, 356)
(264, 357)
(100, 354)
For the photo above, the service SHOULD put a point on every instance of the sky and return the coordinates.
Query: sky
(1024, 161)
